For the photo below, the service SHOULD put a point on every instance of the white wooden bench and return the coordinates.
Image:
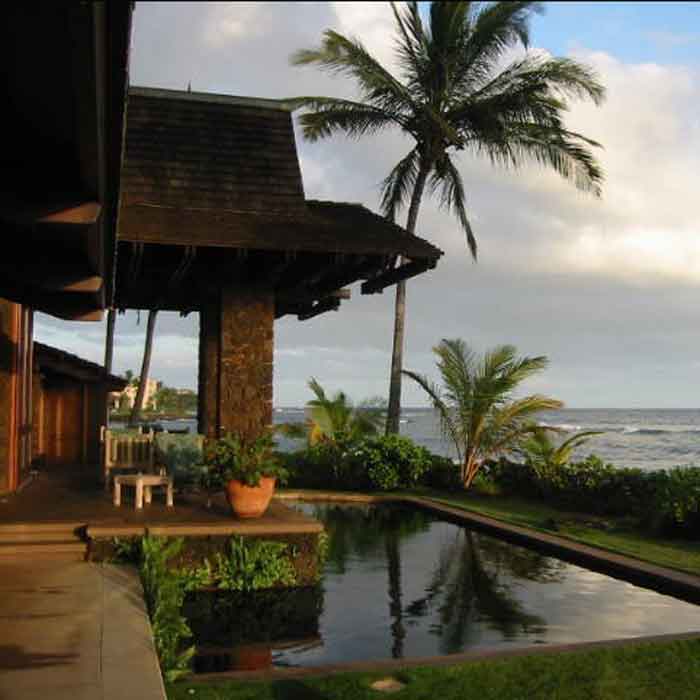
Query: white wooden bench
(143, 484)
(127, 451)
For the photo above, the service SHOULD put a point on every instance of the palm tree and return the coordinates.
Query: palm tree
(476, 408)
(145, 368)
(545, 457)
(454, 95)
(335, 419)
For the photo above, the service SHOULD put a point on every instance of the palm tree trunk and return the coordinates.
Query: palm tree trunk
(394, 409)
(393, 565)
(145, 368)
(109, 341)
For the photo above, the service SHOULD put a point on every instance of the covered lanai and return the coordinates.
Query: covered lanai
(213, 219)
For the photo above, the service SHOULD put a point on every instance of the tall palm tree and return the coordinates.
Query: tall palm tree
(145, 368)
(454, 94)
(476, 407)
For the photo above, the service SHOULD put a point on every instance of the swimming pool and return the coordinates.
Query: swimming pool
(400, 582)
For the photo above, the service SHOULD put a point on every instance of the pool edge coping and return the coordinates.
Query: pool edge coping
(444, 660)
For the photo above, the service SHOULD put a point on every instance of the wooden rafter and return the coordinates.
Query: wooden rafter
(397, 274)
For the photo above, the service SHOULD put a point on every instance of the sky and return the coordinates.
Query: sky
(608, 289)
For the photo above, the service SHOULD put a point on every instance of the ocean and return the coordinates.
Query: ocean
(644, 438)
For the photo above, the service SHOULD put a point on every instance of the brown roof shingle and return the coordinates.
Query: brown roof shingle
(220, 171)
(210, 151)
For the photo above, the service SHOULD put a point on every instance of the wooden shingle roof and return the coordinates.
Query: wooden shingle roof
(212, 190)
(57, 361)
(200, 151)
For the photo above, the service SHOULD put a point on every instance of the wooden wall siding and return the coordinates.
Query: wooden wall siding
(9, 327)
(64, 425)
(211, 155)
(70, 407)
(236, 363)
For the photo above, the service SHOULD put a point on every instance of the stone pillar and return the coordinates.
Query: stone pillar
(235, 361)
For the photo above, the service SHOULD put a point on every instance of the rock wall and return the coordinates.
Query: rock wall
(236, 357)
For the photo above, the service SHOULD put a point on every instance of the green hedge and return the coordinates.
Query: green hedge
(665, 501)
(378, 463)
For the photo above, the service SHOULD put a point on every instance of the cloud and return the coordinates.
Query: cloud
(608, 288)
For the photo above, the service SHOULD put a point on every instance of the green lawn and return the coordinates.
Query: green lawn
(615, 534)
(641, 672)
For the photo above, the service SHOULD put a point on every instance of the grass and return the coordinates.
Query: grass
(614, 534)
(639, 672)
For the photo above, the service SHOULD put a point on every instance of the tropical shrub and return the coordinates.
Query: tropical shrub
(390, 462)
(665, 501)
(444, 474)
(181, 455)
(375, 463)
(323, 465)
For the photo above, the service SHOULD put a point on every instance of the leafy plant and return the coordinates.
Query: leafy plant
(391, 461)
(164, 595)
(251, 565)
(126, 550)
(242, 458)
(476, 405)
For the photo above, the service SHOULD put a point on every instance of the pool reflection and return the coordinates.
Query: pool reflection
(400, 583)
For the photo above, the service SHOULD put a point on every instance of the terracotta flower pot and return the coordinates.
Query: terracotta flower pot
(251, 657)
(250, 501)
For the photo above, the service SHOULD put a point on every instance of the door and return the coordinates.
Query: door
(63, 427)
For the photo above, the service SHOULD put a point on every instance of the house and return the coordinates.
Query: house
(212, 218)
(128, 396)
(69, 404)
(65, 78)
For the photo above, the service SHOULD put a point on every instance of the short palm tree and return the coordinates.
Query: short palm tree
(476, 406)
(335, 419)
(454, 94)
(546, 457)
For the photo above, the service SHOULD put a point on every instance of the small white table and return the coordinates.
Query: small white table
(143, 483)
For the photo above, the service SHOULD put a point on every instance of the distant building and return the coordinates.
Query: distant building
(149, 396)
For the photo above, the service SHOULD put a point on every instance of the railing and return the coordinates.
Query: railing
(127, 451)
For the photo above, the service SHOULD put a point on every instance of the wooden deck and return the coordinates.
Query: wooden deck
(69, 497)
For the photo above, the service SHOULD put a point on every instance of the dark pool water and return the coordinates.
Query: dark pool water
(401, 583)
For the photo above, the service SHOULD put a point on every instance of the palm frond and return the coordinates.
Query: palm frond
(398, 186)
(330, 115)
(452, 197)
(342, 55)
(447, 422)
(496, 28)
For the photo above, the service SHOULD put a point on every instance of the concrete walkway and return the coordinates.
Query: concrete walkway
(73, 631)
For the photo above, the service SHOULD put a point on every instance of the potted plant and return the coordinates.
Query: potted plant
(247, 469)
